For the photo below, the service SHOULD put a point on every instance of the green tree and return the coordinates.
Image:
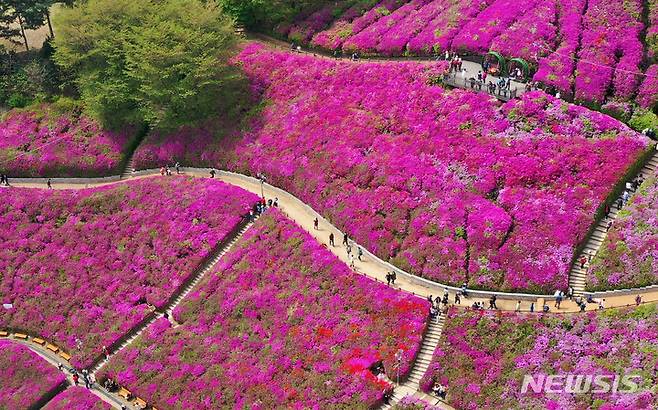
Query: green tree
(164, 62)
(266, 14)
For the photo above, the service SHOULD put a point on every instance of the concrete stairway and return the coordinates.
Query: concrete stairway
(578, 274)
(412, 386)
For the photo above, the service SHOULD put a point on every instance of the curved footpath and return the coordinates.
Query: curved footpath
(34, 344)
(454, 79)
(371, 265)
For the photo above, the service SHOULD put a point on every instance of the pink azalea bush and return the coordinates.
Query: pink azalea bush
(611, 51)
(446, 184)
(439, 32)
(77, 398)
(557, 69)
(280, 323)
(39, 142)
(483, 356)
(25, 376)
(628, 257)
(413, 403)
(82, 267)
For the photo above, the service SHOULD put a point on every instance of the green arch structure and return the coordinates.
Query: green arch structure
(501, 61)
(524, 66)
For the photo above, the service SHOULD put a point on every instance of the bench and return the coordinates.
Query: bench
(124, 393)
(38, 341)
(140, 403)
(65, 356)
(21, 336)
(3, 334)
(52, 348)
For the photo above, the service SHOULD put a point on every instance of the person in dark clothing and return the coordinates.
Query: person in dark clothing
(492, 302)
(393, 277)
(315, 224)
(331, 239)
(212, 173)
(345, 239)
(49, 184)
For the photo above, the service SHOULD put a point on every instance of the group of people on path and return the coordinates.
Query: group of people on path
(261, 206)
(166, 170)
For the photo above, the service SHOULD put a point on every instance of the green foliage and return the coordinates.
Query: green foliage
(643, 119)
(162, 62)
(267, 14)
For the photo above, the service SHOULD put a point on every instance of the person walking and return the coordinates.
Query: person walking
(393, 277)
(492, 302)
(351, 258)
(359, 252)
(315, 224)
(532, 307)
(458, 299)
(346, 239)
(638, 300)
(558, 300)
(49, 183)
(331, 239)
(75, 379)
(212, 173)
(518, 306)
(177, 168)
(388, 278)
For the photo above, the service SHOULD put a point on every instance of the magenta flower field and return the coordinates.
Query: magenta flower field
(77, 398)
(601, 43)
(39, 142)
(280, 323)
(24, 376)
(82, 267)
(628, 257)
(448, 185)
(483, 356)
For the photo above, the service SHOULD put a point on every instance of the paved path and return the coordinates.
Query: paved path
(455, 80)
(372, 266)
(67, 369)
(578, 274)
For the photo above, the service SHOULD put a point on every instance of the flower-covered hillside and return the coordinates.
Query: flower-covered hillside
(41, 141)
(483, 357)
(82, 267)
(628, 257)
(446, 184)
(597, 43)
(280, 323)
(25, 377)
(76, 398)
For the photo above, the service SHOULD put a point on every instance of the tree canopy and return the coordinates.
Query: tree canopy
(266, 14)
(163, 62)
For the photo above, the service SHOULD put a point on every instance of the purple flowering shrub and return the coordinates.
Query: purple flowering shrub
(280, 323)
(413, 403)
(24, 376)
(557, 69)
(628, 257)
(39, 142)
(446, 184)
(82, 267)
(611, 51)
(483, 356)
(76, 398)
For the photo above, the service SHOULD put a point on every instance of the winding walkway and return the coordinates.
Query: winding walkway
(578, 273)
(454, 80)
(371, 265)
(35, 344)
